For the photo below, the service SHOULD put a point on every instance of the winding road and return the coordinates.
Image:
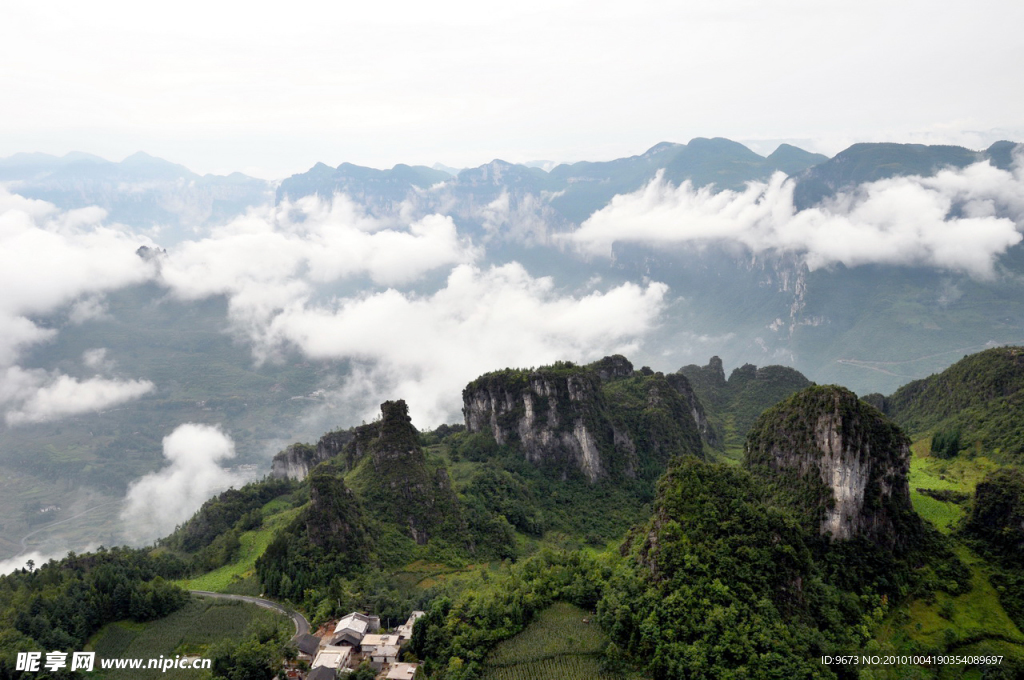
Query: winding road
(24, 539)
(301, 624)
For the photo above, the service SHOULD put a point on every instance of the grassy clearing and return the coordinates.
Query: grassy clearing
(957, 474)
(423, 574)
(193, 630)
(944, 515)
(972, 620)
(253, 543)
(557, 645)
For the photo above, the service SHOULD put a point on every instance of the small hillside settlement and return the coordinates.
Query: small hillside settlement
(356, 639)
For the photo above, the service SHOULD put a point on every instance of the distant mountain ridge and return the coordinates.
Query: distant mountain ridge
(577, 189)
(169, 193)
(142, 191)
(871, 162)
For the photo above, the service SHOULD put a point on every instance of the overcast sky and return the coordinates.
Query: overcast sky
(271, 88)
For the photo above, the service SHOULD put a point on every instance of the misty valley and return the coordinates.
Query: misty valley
(693, 413)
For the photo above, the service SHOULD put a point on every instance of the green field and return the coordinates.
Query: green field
(253, 543)
(566, 666)
(192, 630)
(975, 615)
(956, 474)
(557, 645)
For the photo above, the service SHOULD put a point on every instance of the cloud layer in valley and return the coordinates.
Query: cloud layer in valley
(959, 220)
(422, 347)
(50, 259)
(277, 256)
(425, 348)
(158, 502)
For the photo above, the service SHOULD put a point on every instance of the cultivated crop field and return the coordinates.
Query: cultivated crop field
(192, 630)
(568, 667)
(557, 645)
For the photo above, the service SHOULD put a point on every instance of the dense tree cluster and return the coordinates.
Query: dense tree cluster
(980, 398)
(461, 627)
(234, 508)
(60, 604)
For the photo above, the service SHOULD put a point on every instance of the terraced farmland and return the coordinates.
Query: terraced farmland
(558, 645)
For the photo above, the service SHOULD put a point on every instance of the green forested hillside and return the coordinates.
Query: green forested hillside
(734, 404)
(974, 405)
(714, 571)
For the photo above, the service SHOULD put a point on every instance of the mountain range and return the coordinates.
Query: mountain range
(872, 325)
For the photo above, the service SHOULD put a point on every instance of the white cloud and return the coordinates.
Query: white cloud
(425, 349)
(315, 239)
(49, 259)
(40, 397)
(276, 255)
(96, 359)
(20, 561)
(523, 219)
(899, 221)
(156, 503)
(88, 309)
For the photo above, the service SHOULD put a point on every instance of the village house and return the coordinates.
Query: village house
(351, 629)
(333, 657)
(405, 630)
(402, 671)
(322, 673)
(357, 638)
(308, 646)
(372, 641)
(383, 655)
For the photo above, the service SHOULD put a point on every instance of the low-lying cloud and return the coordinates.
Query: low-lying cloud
(35, 396)
(49, 259)
(958, 220)
(274, 264)
(277, 255)
(315, 240)
(37, 558)
(160, 501)
(425, 348)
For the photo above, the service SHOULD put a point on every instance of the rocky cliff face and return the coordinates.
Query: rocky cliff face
(585, 419)
(552, 415)
(682, 385)
(296, 461)
(838, 461)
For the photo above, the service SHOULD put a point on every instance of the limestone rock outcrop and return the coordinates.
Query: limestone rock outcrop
(296, 461)
(604, 420)
(420, 500)
(841, 463)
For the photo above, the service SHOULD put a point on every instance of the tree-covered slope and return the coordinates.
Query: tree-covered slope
(976, 404)
(734, 405)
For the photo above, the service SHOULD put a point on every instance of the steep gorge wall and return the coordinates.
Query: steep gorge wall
(553, 417)
(586, 419)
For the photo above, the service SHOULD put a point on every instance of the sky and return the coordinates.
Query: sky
(271, 89)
